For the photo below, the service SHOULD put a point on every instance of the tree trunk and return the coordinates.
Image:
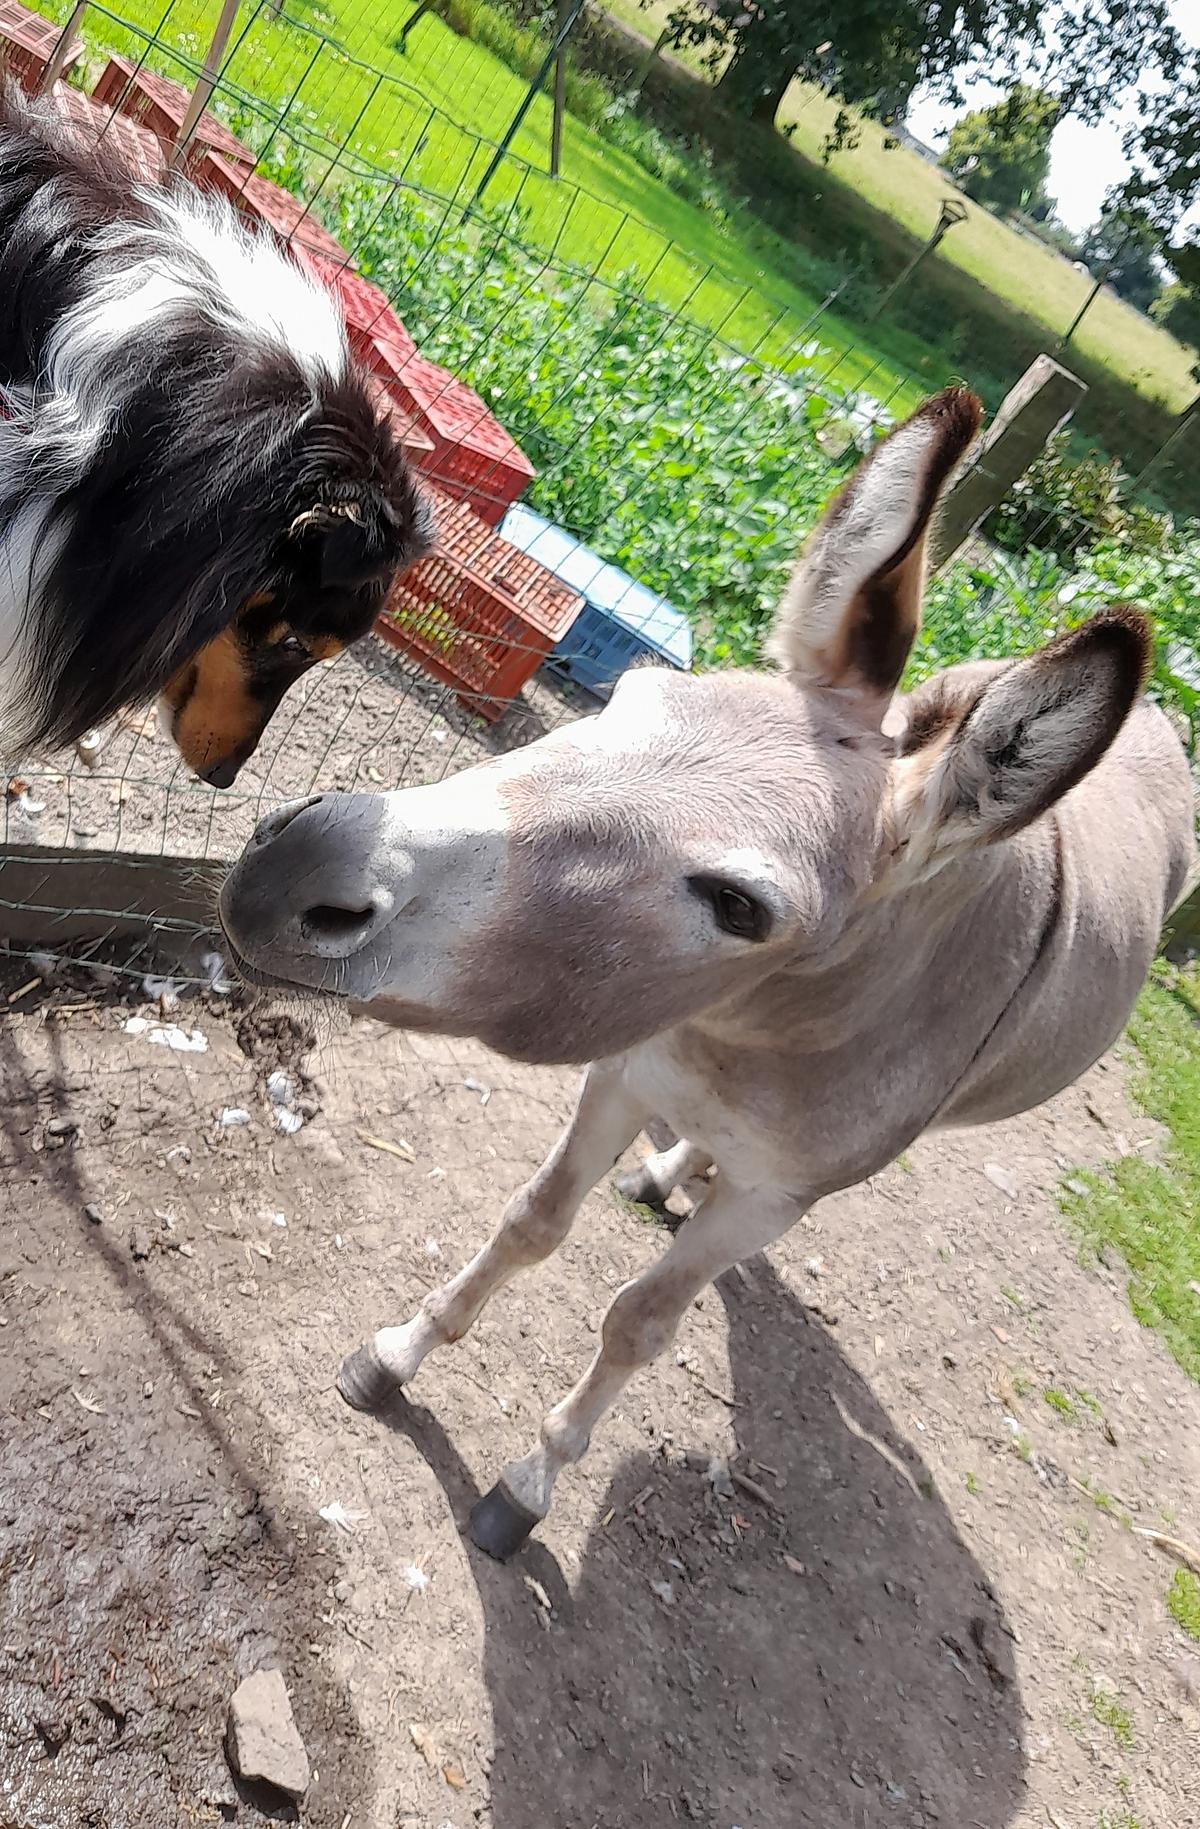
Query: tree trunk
(756, 77)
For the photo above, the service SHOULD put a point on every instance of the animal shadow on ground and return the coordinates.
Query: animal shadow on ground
(834, 1659)
(144, 1569)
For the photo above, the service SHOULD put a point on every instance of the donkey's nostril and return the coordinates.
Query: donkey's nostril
(326, 922)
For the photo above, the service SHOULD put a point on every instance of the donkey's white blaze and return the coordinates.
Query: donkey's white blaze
(421, 843)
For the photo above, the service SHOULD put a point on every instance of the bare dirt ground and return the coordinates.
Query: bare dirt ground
(927, 1607)
(370, 721)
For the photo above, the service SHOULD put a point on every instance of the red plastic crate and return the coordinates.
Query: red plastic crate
(160, 105)
(134, 145)
(370, 319)
(417, 444)
(27, 42)
(477, 614)
(474, 459)
(470, 455)
(266, 203)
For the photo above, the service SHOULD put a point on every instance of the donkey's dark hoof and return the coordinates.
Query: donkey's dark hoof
(364, 1380)
(499, 1525)
(641, 1188)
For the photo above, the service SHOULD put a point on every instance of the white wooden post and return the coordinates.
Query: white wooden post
(206, 82)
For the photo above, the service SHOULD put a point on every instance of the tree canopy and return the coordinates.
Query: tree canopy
(1164, 186)
(1164, 150)
(1126, 246)
(1177, 309)
(874, 52)
(1001, 155)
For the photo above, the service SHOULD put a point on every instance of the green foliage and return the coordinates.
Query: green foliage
(522, 47)
(1001, 155)
(1177, 309)
(694, 468)
(1104, 1501)
(1127, 247)
(1165, 175)
(1150, 1211)
(1111, 1713)
(700, 470)
(875, 52)
(1060, 1403)
(1183, 1602)
(1066, 504)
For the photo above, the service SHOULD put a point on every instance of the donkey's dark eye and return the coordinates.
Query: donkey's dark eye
(736, 912)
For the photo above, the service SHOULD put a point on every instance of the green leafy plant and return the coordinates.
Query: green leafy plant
(700, 469)
(1183, 1602)
(1066, 504)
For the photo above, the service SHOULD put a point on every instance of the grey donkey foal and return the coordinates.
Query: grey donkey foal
(796, 918)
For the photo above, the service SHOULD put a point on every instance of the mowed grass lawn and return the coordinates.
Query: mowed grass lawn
(432, 119)
(1030, 276)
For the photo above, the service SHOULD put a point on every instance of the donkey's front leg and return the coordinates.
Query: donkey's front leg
(607, 1118)
(642, 1320)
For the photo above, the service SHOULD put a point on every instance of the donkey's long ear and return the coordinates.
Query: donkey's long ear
(852, 609)
(978, 770)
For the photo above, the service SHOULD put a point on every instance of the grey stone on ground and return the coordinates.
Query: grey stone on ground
(262, 1740)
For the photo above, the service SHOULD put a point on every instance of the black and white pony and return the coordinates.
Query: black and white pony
(198, 496)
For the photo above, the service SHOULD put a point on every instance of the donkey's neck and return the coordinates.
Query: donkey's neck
(877, 974)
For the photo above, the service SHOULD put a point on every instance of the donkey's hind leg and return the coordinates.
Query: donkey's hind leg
(650, 1183)
(535, 1223)
(642, 1320)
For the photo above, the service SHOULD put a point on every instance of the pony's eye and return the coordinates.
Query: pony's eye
(736, 913)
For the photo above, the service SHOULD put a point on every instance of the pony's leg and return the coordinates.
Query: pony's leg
(641, 1322)
(536, 1221)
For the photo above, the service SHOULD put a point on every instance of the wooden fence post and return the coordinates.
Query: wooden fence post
(1038, 406)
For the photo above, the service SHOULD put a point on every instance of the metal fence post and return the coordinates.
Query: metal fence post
(562, 33)
(1038, 406)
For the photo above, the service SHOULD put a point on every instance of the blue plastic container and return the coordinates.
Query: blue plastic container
(621, 621)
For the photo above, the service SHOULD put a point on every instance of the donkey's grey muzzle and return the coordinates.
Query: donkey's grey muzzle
(305, 896)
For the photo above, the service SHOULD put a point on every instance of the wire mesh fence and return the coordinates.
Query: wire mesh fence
(627, 421)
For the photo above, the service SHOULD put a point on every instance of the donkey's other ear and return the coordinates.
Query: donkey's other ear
(980, 772)
(852, 609)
